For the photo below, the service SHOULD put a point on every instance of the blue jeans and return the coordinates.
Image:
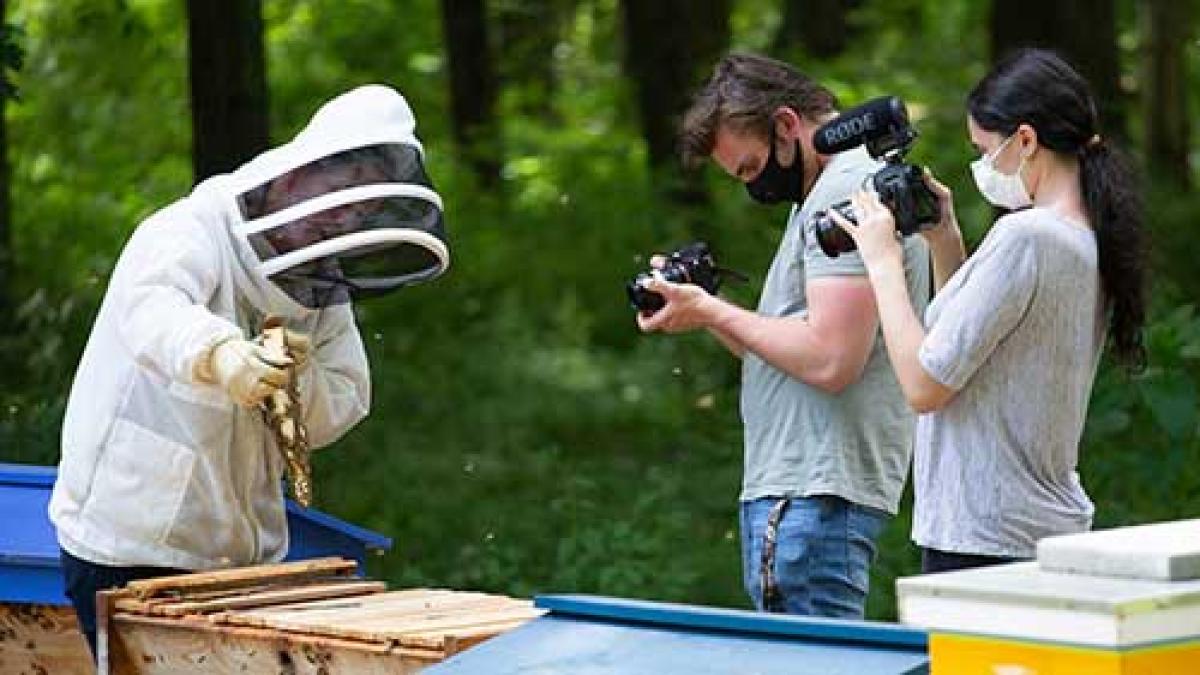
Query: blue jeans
(823, 554)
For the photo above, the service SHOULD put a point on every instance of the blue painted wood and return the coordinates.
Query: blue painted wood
(29, 565)
(30, 571)
(27, 474)
(594, 635)
(32, 582)
(320, 523)
(718, 618)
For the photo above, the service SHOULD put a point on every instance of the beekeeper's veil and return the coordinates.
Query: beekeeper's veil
(345, 210)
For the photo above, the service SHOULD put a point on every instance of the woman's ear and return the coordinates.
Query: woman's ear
(1027, 138)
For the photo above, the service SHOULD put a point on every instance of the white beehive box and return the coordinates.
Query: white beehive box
(1023, 601)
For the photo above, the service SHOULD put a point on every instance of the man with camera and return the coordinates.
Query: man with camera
(827, 432)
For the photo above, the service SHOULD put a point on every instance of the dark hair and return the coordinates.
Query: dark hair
(743, 93)
(1038, 88)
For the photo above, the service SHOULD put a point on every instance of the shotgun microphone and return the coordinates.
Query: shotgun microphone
(881, 123)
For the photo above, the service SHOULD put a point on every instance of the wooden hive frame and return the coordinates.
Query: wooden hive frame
(310, 616)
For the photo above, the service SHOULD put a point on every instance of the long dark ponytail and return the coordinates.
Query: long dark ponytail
(1037, 87)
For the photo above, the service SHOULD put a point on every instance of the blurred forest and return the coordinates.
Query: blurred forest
(525, 437)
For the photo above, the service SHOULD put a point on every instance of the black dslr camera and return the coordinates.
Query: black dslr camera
(692, 264)
(882, 124)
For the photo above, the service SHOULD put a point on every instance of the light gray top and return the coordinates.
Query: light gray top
(801, 441)
(1017, 332)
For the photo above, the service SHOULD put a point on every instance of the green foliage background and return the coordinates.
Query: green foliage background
(525, 437)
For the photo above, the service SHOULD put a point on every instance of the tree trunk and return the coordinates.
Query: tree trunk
(818, 26)
(10, 59)
(227, 69)
(473, 87)
(529, 33)
(1082, 31)
(670, 46)
(1166, 26)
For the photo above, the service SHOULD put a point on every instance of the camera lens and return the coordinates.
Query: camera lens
(832, 239)
(642, 299)
(676, 273)
(691, 264)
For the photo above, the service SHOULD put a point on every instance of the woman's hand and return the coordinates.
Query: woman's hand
(945, 231)
(875, 233)
(944, 238)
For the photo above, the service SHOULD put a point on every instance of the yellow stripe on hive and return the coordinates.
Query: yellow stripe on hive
(952, 654)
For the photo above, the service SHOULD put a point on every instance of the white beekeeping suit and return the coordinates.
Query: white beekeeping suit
(160, 464)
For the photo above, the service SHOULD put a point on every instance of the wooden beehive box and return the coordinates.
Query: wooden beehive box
(304, 617)
(41, 638)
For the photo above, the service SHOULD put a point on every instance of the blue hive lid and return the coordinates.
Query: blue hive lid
(587, 635)
(29, 562)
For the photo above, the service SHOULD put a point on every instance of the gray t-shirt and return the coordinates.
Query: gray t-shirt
(1017, 332)
(799, 440)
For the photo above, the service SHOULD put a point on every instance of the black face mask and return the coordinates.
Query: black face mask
(777, 183)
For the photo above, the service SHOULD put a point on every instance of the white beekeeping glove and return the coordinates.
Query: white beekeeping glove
(248, 371)
(298, 346)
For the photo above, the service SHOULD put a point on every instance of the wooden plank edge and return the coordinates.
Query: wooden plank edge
(463, 641)
(380, 605)
(124, 622)
(347, 589)
(242, 576)
(427, 635)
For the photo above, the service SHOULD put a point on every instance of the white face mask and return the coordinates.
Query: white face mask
(1005, 190)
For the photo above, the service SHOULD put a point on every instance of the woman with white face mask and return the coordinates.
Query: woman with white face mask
(1001, 369)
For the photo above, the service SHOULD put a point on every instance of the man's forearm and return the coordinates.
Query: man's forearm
(789, 344)
(731, 343)
(827, 348)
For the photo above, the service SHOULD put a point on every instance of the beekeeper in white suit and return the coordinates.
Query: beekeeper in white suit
(167, 462)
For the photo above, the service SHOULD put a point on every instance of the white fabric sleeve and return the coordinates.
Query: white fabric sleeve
(163, 280)
(337, 384)
(1001, 278)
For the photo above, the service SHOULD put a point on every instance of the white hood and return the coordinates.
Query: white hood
(371, 115)
(368, 115)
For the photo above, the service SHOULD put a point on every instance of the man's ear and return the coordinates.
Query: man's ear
(787, 122)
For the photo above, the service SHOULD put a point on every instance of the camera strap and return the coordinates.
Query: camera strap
(730, 274)
(772, 599)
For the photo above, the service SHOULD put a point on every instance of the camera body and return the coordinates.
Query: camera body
(691, 264)
(882, 125)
